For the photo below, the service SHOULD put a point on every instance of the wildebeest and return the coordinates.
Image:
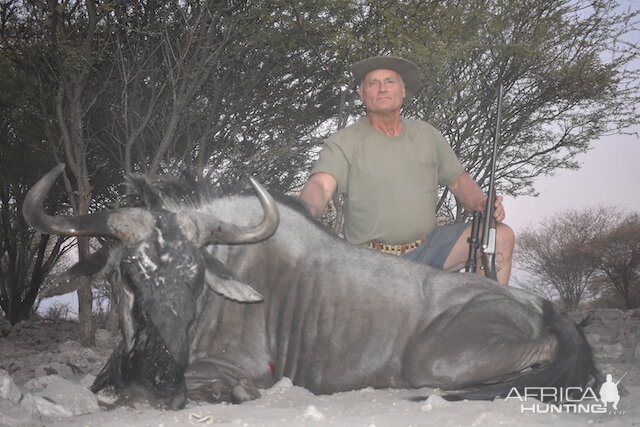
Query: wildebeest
(301, 303)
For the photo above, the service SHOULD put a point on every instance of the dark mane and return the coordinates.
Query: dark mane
(182, 189)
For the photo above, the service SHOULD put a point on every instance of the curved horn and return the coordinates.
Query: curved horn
(124, 224)
(215, 231)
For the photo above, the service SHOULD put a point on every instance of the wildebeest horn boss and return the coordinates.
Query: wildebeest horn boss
(288, 298)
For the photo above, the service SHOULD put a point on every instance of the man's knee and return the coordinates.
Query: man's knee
(505, 237)
(457, 257)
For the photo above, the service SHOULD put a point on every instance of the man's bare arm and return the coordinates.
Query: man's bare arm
(472, 198)
(468, 192)
(317, 192)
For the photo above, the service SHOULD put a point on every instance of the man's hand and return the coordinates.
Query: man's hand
(473, 198)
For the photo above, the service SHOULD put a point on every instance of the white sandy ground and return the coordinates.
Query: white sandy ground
(287, 405)
(614, 334)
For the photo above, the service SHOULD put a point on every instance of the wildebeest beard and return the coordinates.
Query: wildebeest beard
(149, 365)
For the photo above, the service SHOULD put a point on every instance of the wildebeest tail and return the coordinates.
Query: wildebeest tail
(573, 366)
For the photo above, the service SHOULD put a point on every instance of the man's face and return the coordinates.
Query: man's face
(382, 91)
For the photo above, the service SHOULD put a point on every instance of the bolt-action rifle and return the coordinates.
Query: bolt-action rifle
(488, 241)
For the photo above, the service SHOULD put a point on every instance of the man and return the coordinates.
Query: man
(609, 392)
(388, 168)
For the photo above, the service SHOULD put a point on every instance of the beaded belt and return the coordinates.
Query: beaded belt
(394, 249)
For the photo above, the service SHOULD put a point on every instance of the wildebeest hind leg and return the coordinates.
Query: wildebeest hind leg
(208, 381)
(475, 343)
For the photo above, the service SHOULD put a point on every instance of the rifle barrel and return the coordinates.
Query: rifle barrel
(488, 233)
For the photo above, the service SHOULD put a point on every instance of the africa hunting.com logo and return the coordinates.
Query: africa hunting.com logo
(574, 400)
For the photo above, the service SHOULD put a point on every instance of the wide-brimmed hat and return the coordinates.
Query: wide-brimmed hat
(409, 71)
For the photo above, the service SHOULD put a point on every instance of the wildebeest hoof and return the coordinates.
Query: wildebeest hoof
(244, 391)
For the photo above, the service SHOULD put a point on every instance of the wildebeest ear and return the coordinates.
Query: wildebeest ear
(225, 283)
(80, 274)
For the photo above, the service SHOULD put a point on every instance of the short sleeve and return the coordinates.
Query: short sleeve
(334, 161)
(449, 166)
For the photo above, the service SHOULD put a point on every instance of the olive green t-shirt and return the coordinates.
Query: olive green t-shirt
(389, 183)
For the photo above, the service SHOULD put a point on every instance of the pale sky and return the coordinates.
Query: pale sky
(609, 175)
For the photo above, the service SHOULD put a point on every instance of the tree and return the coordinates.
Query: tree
(619, 261)
(561, 253)
(220, 89)
(65, 46)
(179, 94)
(26, 257)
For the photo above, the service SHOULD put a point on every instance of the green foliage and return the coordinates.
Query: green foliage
(252, 86)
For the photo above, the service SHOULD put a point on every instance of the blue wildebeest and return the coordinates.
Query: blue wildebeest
(213, 307)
